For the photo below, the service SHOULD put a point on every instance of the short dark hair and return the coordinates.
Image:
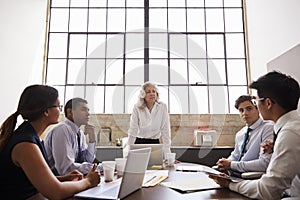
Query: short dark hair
(280, 88)
(242, 99)
(72, 103)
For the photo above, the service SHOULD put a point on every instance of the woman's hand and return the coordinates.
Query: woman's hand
(75, 175)
(93, 176)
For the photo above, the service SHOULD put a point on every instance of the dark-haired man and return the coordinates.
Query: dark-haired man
(278, 97)
(247, 155)
(66, 144)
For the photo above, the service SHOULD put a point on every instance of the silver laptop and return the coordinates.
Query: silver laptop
(156, 157)
(132, 180)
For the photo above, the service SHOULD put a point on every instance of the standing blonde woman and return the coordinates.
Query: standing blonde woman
(24, 170)
(150, 119)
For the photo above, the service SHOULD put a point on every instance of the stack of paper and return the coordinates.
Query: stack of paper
(191, 183)
(153, 177)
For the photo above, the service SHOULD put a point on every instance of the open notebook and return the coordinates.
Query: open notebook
(132, 180)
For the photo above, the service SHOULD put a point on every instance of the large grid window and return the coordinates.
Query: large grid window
(103, 51)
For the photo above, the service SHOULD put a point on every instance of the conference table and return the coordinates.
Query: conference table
(162, 192)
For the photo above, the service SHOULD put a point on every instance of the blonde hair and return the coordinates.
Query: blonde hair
(141, 102)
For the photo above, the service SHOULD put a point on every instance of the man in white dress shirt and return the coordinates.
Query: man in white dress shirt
(66, 144)
(278, 97)
(247, 155)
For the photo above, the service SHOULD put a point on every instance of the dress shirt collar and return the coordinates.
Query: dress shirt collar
(256, 124)
(73, 126)
(284, 119)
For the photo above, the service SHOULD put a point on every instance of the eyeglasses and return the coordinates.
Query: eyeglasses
(260, 99)
(60, 107)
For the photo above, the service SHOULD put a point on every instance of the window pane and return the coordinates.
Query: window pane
(176, 3)
(216, 71)
(131, 98)
(95, 98)
(61, 94)
(56, 71)
(135, 20)
(195, 3)
(158, 71)
(233, 3)
(77, 46)
(163, 94)
(58, 45)
(115, 46)
(198, 99)
(78, 20)
(236, 72)
(134, 71)
(178, 71)
(196, 46)
(96, 46)
(76, 71)
(214, 3)
(135, 3)
(195, 20)
(135, 45)
(178, 46)
(177, 20)
(158, 19)
(74, 91)
(234, 93)
(59, 20)
(95, 71)
(97, 3)
(79, 3)
(179, 99)
(116, 20)
(97, 20)
(113, 102)
(215, 46)
(116, 3)
(197, 71)
(218, 100)
(235, 45)
(214, 20)
(114, 71)
(60, 3)
(157, 3)
(233, 20)
(158, 45)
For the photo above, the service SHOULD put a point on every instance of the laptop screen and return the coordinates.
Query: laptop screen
(156, 156)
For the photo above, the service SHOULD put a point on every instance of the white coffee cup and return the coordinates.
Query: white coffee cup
(170, 158)
(108, 170)
(120, 166)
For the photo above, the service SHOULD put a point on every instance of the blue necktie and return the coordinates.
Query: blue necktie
(246, 137)
(79, 158)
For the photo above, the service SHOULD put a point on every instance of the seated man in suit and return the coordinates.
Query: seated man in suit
(66, 144)
(248, 156)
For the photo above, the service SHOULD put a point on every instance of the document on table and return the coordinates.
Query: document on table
(205, 169)
(191, 183)
(153, 177)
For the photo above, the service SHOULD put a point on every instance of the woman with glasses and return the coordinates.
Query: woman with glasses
(24, 170)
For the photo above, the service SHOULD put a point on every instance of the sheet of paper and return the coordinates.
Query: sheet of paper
(153, 177)
(196, 168)
(192, 183)
(207, 170)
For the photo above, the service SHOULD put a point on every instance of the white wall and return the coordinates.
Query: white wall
(273, 27)
(21, 50)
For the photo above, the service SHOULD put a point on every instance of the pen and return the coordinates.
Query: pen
(150, 180)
